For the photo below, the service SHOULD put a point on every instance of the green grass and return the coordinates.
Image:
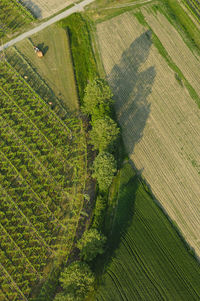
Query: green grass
(178, 17)
(53, 75)
(84, 62)
(178, 73)
(194, 7)
(151, 261)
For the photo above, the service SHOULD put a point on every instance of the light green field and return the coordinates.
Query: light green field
(55, 68)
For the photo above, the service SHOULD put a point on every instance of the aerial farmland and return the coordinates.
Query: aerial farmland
(99, 150)
(158, 116)
(45, 8)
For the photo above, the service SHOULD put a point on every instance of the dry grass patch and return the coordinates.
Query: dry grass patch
(159, 120)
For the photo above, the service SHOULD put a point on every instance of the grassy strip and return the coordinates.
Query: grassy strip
(13, 16)
(178, 73)
(151, 261)
(176, 15)
(82, 52)
(192, 6)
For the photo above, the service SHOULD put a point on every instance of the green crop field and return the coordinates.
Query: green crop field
(43, 166)
(151, 261)
(12, 16)
(194, 5)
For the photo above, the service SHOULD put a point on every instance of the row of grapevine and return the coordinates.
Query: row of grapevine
(42, 174)
(194, 5)
(12, 16)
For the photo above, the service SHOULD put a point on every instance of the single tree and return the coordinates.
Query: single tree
(91, 244)
(104, 167)
(77, 280)
(104, 134)
(97, 99)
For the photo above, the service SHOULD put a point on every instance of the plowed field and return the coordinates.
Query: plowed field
(160, 121)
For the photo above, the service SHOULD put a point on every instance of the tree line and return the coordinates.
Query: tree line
(77, 279)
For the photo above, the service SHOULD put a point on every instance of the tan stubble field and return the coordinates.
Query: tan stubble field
(45, 8)
(160, 121)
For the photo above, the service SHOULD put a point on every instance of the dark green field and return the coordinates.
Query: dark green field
(43, 168)
(151, 261)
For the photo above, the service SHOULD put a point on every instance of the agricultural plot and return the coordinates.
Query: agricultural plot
(194, 5)
(42, 170)
(52, 76)
(45, 8)
(182, 56)
(12, 16)
(159, 119)
(151, 262)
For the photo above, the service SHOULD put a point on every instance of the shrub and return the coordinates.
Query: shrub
(91, 244)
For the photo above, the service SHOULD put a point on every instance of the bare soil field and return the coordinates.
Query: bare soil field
(182, 56)
(45, 8)
(160, 121)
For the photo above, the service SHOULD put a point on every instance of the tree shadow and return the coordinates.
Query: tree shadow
(131, 88)
(43, 48)
(34, 8)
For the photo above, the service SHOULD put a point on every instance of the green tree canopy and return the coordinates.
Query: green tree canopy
(104, 134)
(104, 169)
(97, 99)
(91, 243)
(61, 297)
(99, 212)
(77, 280)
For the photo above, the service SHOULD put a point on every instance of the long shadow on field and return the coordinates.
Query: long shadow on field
(131, 84)
(34, 8)
(131, 88)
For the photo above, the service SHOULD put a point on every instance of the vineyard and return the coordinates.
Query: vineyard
(151, 262)
(194, 5)
(43, 165)
(12, 16)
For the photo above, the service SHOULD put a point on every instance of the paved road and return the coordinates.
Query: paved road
(66, 13)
